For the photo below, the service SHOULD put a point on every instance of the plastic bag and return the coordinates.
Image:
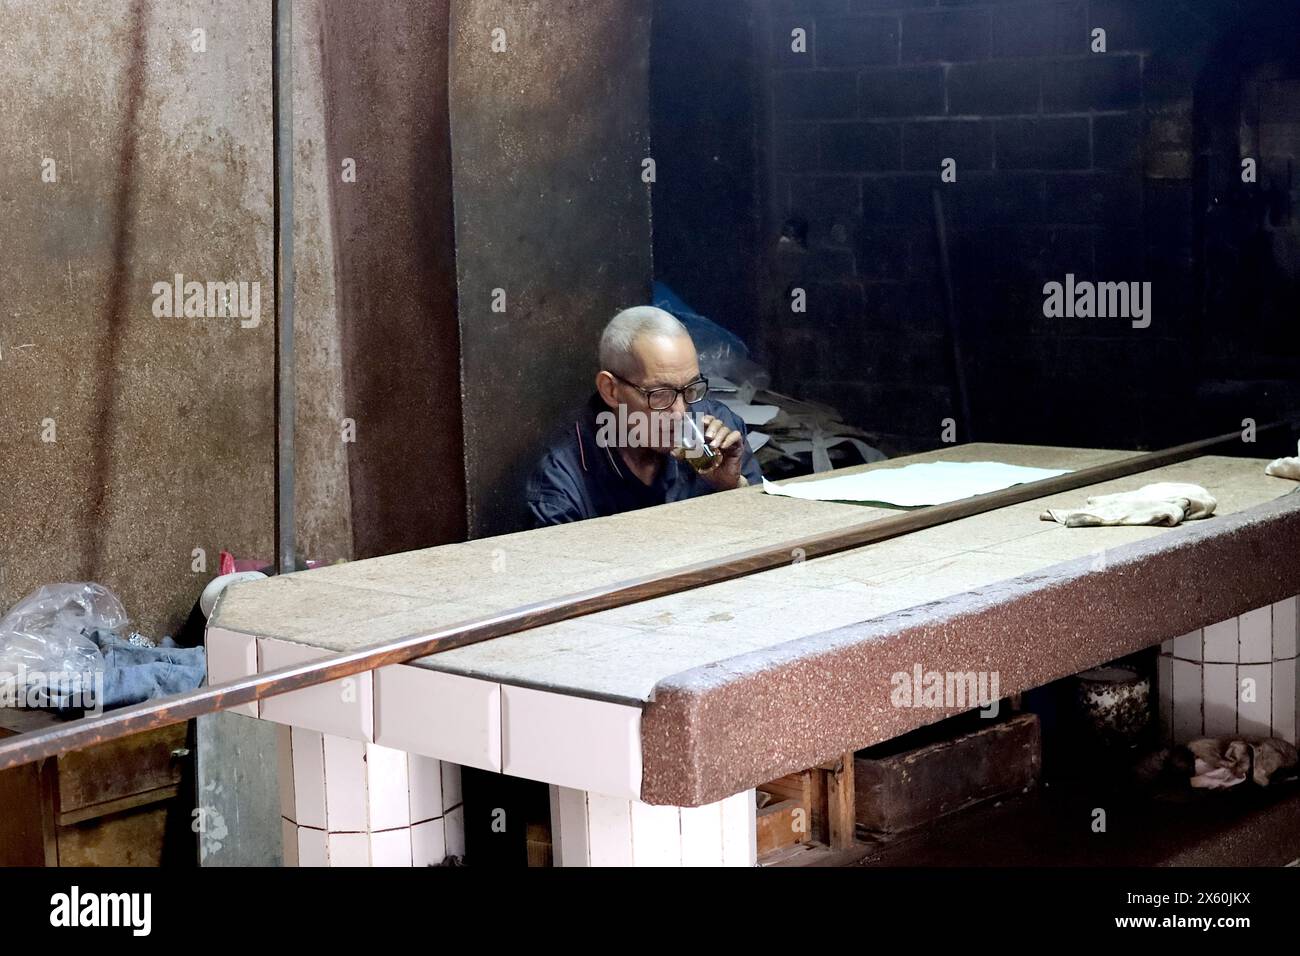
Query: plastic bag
(720, 352)
(47, 630)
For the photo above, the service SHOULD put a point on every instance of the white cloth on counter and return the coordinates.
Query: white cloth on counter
(1284, 468)
(1164, 503)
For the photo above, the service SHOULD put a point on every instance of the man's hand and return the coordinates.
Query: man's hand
(730, 444)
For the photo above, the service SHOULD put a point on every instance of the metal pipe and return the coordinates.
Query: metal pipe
(282, 120)
(74, 735)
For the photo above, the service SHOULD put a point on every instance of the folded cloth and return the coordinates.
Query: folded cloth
(1284, 468)
(1165, 503)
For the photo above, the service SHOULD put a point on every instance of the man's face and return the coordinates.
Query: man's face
(663, 361)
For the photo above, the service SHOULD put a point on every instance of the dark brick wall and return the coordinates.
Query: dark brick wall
(1067, 161)
(705, 109)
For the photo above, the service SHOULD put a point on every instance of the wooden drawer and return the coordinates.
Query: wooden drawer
(116, 772)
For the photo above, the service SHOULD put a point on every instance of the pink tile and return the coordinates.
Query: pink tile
(446, 716)
(345, 785)
(426, 798)
(453, 825)
(740, 830)
(344, 708)
(571, 741)
(284, 772)
(289, 841)
(1284, 700)
(391, 847)
(308, 760)
(1255, 699)
(451, 786)
(1284, 629)
(231, 655)
(1256, 636)
(1220, 699)
(569, 827)
(1221, 641)
(388, 787)
(1188, 699)
(1189, 646)
(349, 849)
(428, 843)
(656, 835)
(313, 849)
(609, 830)
(702, 835)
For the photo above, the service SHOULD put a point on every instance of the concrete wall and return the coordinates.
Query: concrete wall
(549, 138)
(163, 427)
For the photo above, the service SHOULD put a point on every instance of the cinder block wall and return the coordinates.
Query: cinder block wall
(1067, 161)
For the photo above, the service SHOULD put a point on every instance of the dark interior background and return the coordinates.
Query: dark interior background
(1115, 166)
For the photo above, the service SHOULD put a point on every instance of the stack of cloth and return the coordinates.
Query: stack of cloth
(1165, 503)
(1284, 468)
(136, 669)
(1221, 762)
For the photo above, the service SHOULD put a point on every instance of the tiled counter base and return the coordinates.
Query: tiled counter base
(348, 803)
(370, 767)
(1239, 676)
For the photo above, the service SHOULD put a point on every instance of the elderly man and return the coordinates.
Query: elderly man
(625, 450)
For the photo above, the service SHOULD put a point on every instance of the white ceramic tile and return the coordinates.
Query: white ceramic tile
(584, 744)
(446, 716)
(345, 785)
(1220, 699)
(231, 655)
(426, 800)
(702, 835)
(1221, 641)
(1189, 646)
(1284, 700)
(312, 847)
(344, 707)
(349, 849)
(308, 778)
(1167, 647)
(1165, 693)
(609, 830)
(289, 841)
(391, 847)
(388, 786)
(451, 786)
(454, 831)
(740, 830)
(284, 771)
(1188, 695)
(656, 835)
(428, 843)
(1284, 628)
(1256, 636)
(1255, 716)
(569, 827)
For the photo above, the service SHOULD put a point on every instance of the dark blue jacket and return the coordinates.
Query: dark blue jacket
(578, 479)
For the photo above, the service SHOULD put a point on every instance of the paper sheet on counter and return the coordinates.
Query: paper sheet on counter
(752, 415)
(915, 486)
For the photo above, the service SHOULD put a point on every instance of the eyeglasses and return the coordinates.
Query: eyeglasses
(665, 396)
